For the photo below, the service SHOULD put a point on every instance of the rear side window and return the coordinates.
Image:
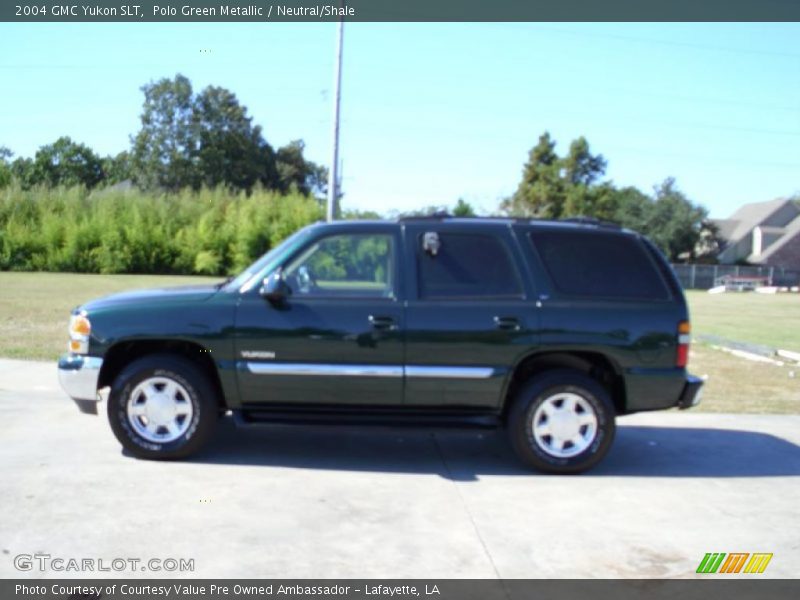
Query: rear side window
(467, 266)
(597, 264)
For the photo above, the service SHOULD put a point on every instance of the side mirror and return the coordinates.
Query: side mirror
(431, 243)
(274, 288)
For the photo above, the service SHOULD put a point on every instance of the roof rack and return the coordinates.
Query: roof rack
(578, 220)
(592, 221)
(437, 216)
(441, 215)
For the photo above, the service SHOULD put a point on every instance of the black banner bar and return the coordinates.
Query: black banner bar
(399, 10)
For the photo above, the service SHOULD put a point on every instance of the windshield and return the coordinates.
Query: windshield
(259, 269)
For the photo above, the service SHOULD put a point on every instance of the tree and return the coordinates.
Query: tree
(540, 190)
(117, 169)
(231, 150)
(710, 243)
(463, 209)
(425, 211)
(65, 162)
(5, 166)
(633, 208)
(354, 214)
(673, 222)
(166, 146)
(318, 181)
(597, 201)
(580, 167)
(295, 172)
(208, 139)
(22, 171)
(554, 187)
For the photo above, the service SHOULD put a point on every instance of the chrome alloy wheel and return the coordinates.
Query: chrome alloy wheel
(160, 409)
(564, 425)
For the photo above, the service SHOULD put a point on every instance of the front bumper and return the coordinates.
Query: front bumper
(78, 376)
(692, 392)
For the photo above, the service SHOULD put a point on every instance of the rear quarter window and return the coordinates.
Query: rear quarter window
(599, 265)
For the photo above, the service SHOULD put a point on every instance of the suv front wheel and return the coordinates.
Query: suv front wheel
(162, 407)
(561, 421)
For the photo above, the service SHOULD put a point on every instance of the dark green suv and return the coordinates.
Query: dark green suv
(549, 329)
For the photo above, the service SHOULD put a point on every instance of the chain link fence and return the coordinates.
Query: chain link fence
(703, 277)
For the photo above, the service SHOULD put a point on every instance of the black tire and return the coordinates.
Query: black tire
(544, 388)
(200, 395)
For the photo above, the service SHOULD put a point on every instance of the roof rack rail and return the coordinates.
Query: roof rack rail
(592, 221)
(437, 216)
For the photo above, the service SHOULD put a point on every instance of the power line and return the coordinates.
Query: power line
(470, 133)
(469, 130)
(647, 40)
(697, 99)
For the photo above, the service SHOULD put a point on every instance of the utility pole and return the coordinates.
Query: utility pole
(333, 175)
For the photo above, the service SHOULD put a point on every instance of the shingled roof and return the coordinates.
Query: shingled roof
(749, 216)
(778, 219)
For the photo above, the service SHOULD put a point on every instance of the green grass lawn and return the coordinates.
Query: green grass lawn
(765, 319)
(738, 385)
(35, 307)
(735, 384)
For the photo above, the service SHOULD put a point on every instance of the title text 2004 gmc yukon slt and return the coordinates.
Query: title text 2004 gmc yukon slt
(549, 329)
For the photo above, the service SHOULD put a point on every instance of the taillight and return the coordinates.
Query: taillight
(684, 339)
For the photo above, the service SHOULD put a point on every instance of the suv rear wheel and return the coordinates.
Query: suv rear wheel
(162, 407)
(562, 421)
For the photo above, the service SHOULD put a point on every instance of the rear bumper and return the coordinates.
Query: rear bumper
(692, 392)
(660, 389)
(78, 376)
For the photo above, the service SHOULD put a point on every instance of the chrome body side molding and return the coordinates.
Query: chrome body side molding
(336, 370)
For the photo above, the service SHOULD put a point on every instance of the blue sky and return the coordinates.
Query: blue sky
(434, 112)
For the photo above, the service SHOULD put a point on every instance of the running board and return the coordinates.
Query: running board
(360, 416)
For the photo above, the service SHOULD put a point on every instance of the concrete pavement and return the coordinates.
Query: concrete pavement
(290, 502)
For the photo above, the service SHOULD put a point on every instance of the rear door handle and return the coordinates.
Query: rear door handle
(507, 323)
(382, 323)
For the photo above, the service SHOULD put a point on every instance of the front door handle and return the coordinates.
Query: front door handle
(382, 323)
(507, 323)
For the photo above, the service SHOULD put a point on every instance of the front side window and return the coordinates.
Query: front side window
(347, 265)
(465, 265)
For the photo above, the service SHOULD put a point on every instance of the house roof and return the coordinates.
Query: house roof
(791, 231)
(725, 227)
(772, 230)
(749, 216)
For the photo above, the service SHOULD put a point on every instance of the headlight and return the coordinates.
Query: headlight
(79, 331)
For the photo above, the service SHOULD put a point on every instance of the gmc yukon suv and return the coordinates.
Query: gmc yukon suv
(549, 329)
